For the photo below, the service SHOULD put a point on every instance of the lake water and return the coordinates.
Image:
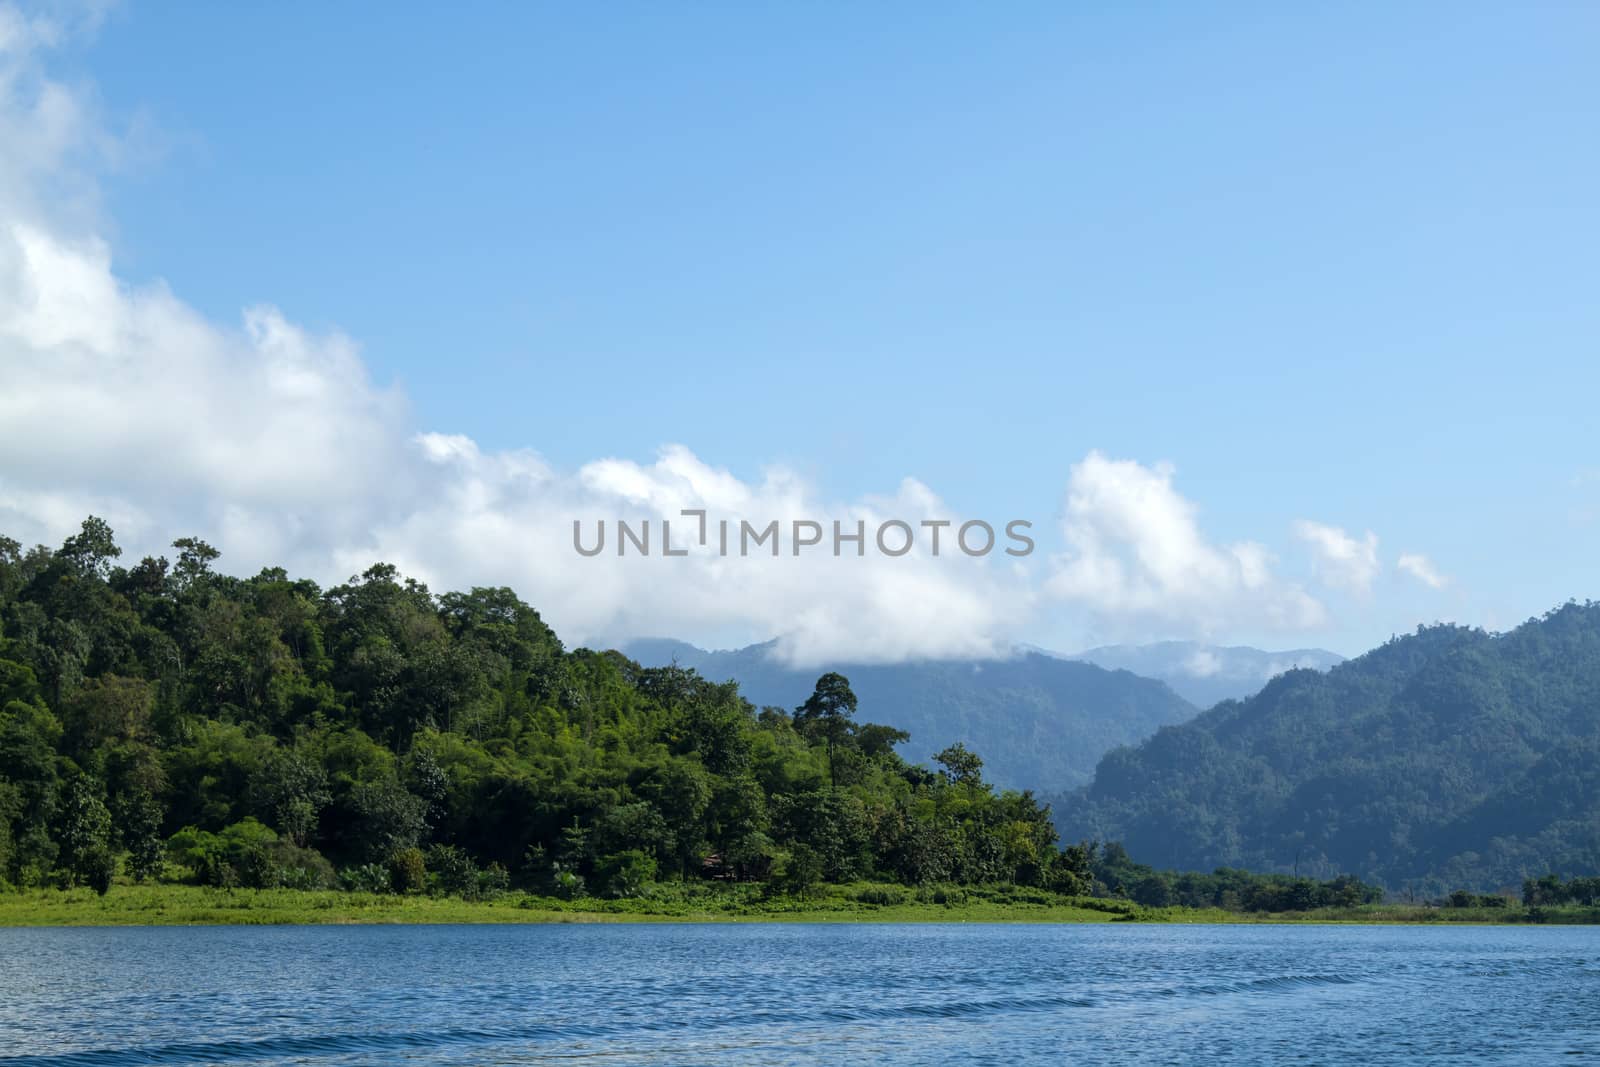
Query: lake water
(809, 994)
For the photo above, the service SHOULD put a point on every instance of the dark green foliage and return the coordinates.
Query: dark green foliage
(826, 716)
(290, 790)
(803, 871)
(1040, 722)
(625, 874)
(85, 834)
(961, 767)
(138, 819)
(294, 867)
(452, 872)
(96, 868)
(1116, 875)
(368, 878)
(1551, 890)
(1450, 758)
(408, 871)
(267, 729)
(492, 881)
(247, 853)
(379, 818)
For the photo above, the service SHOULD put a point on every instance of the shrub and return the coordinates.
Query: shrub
(626, 874)
(367, 878)
(256, 869)
(493, 880)
(881, 895)
(408, 871)
(453, 872)
(283, 865)
(568, 885)
(217, 871)
(97, 866)
(241, 854)
(803, 871)
(301, 868)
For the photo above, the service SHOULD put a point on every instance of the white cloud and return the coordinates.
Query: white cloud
(274, 443)
(507, 519)
(1136, 554)
(1203, 663)
(1422, 569)
(1342, 561)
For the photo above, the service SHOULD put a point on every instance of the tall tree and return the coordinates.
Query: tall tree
(962, 767)
(86, 835)
(827, 715)
(139, 825)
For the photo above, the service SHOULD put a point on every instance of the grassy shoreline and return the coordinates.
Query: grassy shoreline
(184, 905)
(181, 905)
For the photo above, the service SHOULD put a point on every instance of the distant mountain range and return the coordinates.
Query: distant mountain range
(1449, 758)
(1206, 674)
(1038, 721)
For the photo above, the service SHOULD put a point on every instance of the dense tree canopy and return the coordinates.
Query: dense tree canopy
(1449, 758)
(1041, 722)
(165, 717)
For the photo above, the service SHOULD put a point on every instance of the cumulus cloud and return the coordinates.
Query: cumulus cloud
(1422, 569)
(1342, 561)
(275, 443)
(508, 519)
(1136, 554)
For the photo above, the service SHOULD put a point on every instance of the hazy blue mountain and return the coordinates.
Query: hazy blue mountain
(1449, 758)
(1038, 722)
(1205, 674)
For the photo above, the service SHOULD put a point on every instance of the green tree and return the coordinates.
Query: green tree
(290, 789)
(827, 714)
(85, 833)
(139, 824)
(408, 871)
(962, 767)
(625, 874)
(89, 552)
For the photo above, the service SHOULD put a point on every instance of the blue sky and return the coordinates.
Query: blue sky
(1332, 265)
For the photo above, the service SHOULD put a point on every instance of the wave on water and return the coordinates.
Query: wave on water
(319, 1045)
(1279, 983)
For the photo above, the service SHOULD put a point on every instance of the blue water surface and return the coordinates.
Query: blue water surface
(797, 993)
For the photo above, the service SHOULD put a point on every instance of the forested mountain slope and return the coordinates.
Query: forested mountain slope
(166, 720)
(1041, 722)
(1448, 758)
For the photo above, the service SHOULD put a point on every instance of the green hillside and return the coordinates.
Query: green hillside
(1449, 758)
(1041, 722)
(163, 720)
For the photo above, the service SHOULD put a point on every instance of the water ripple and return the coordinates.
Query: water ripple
(788, 994)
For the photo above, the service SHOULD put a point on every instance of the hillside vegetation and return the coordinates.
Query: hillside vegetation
(165, 720)
(1447, 759)
(1041, 722)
